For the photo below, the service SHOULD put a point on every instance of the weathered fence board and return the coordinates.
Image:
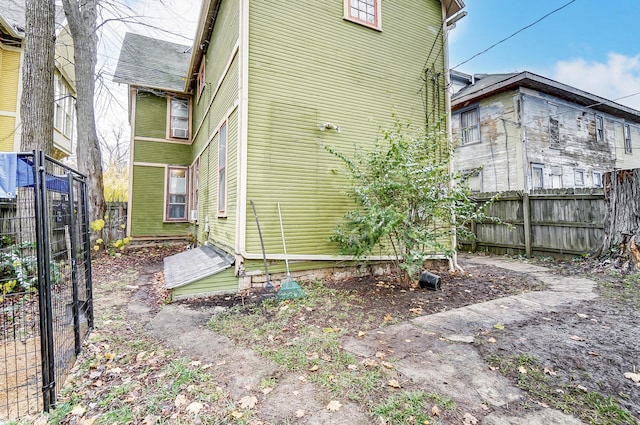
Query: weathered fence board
(544, 222)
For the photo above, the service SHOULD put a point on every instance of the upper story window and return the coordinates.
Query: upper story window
(365, 12)
(178, 117)
(599, 129)
(201, 81)
(64, 108)
(627, 138)
(176, 194)
(554, 132)
(470, 126)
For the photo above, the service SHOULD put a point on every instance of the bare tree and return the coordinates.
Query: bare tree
(36, 107)
(81, 17)
(622, 219)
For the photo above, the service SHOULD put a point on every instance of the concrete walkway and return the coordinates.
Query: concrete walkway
(435, 351)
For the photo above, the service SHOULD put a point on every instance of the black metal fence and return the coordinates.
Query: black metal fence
(46, 307)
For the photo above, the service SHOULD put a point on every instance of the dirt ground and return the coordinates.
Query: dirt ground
(604, 332)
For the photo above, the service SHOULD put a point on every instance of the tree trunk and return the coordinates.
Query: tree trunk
(81, 17)
(36, 107)
(622, 219)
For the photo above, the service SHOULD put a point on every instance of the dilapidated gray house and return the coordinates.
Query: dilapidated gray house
(522, 131)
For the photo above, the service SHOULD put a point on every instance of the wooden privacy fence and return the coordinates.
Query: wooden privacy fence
(544, 222)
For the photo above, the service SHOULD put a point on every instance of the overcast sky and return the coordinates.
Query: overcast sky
(589, 44)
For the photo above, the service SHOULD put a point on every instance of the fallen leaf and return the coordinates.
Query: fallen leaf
(300, 413)
(180, 400)
(522, 369)
(370, 362)
(150, 420)
(109, 356)
(491, 340)
(266, 391)
(380, 355)
(417, 310)
(393, 383)
(593, 353)
(352, 367)
(78, 411)
(140, 356)
(196, 363)
(194, 408)
(435, 411)
(361, 334)
(499, 326)
(248, 402)
(581, 315)
(328, 330)
(115, 371)
(236, 415)
(388, 318)
(313, 356)
(549, 371)
(334, 406)
(387, 365)
(635, 377)
(314, 368)
(469, 419)
(577, 338)
(583, 388)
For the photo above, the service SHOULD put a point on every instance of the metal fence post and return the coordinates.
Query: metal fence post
(74, 266)
(86, 241)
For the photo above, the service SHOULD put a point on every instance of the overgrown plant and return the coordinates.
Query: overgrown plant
(409, 201)
(104, 240)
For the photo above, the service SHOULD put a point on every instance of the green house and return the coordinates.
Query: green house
(242, 116)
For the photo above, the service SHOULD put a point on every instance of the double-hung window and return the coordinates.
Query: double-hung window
(578, 177)
(597, 179)
(470, 126)
(178, 117)
(365, 12)
(64, 107)
(537, 176)
(176, 194)
(627, 138)
(599, 129)
(222, 170)
(201, 80)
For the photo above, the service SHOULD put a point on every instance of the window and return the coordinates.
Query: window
(599, 129)
(537, 176)
(365, 12)
(201, 82)
(554, 133)
(578, 177)
(627, 138)
(222, 170)
(176, 194)
(597, 179)
(179, 117)
(469, 126)
(194, 183)
(64, 107)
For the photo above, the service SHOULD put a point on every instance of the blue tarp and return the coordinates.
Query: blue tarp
(8, 174)
(24, 177)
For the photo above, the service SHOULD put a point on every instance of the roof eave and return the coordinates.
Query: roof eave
(452, 7)
(10, 28)
(208, 15)
(529, 80)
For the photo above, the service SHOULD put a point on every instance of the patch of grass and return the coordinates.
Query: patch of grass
(592, 407)
(406, 408)
(442, 401)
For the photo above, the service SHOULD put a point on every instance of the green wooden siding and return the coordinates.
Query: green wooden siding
(151, 115)
(223, 281)
(222, 42)
(147, 206)
(162, 152)
(308, 66)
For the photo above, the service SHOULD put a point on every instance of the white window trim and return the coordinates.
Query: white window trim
(600, 136)
(536, 166)
(222, 212)
(626, 135)
(378, 11)
(463, 142)
(64, 101)
(170, 97)
(577, 171)
(167, 175)
(593, 178)
(201, 83)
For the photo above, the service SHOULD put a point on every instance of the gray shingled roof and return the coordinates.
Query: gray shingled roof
(149, 62)
(482, 82)
(12, 12)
